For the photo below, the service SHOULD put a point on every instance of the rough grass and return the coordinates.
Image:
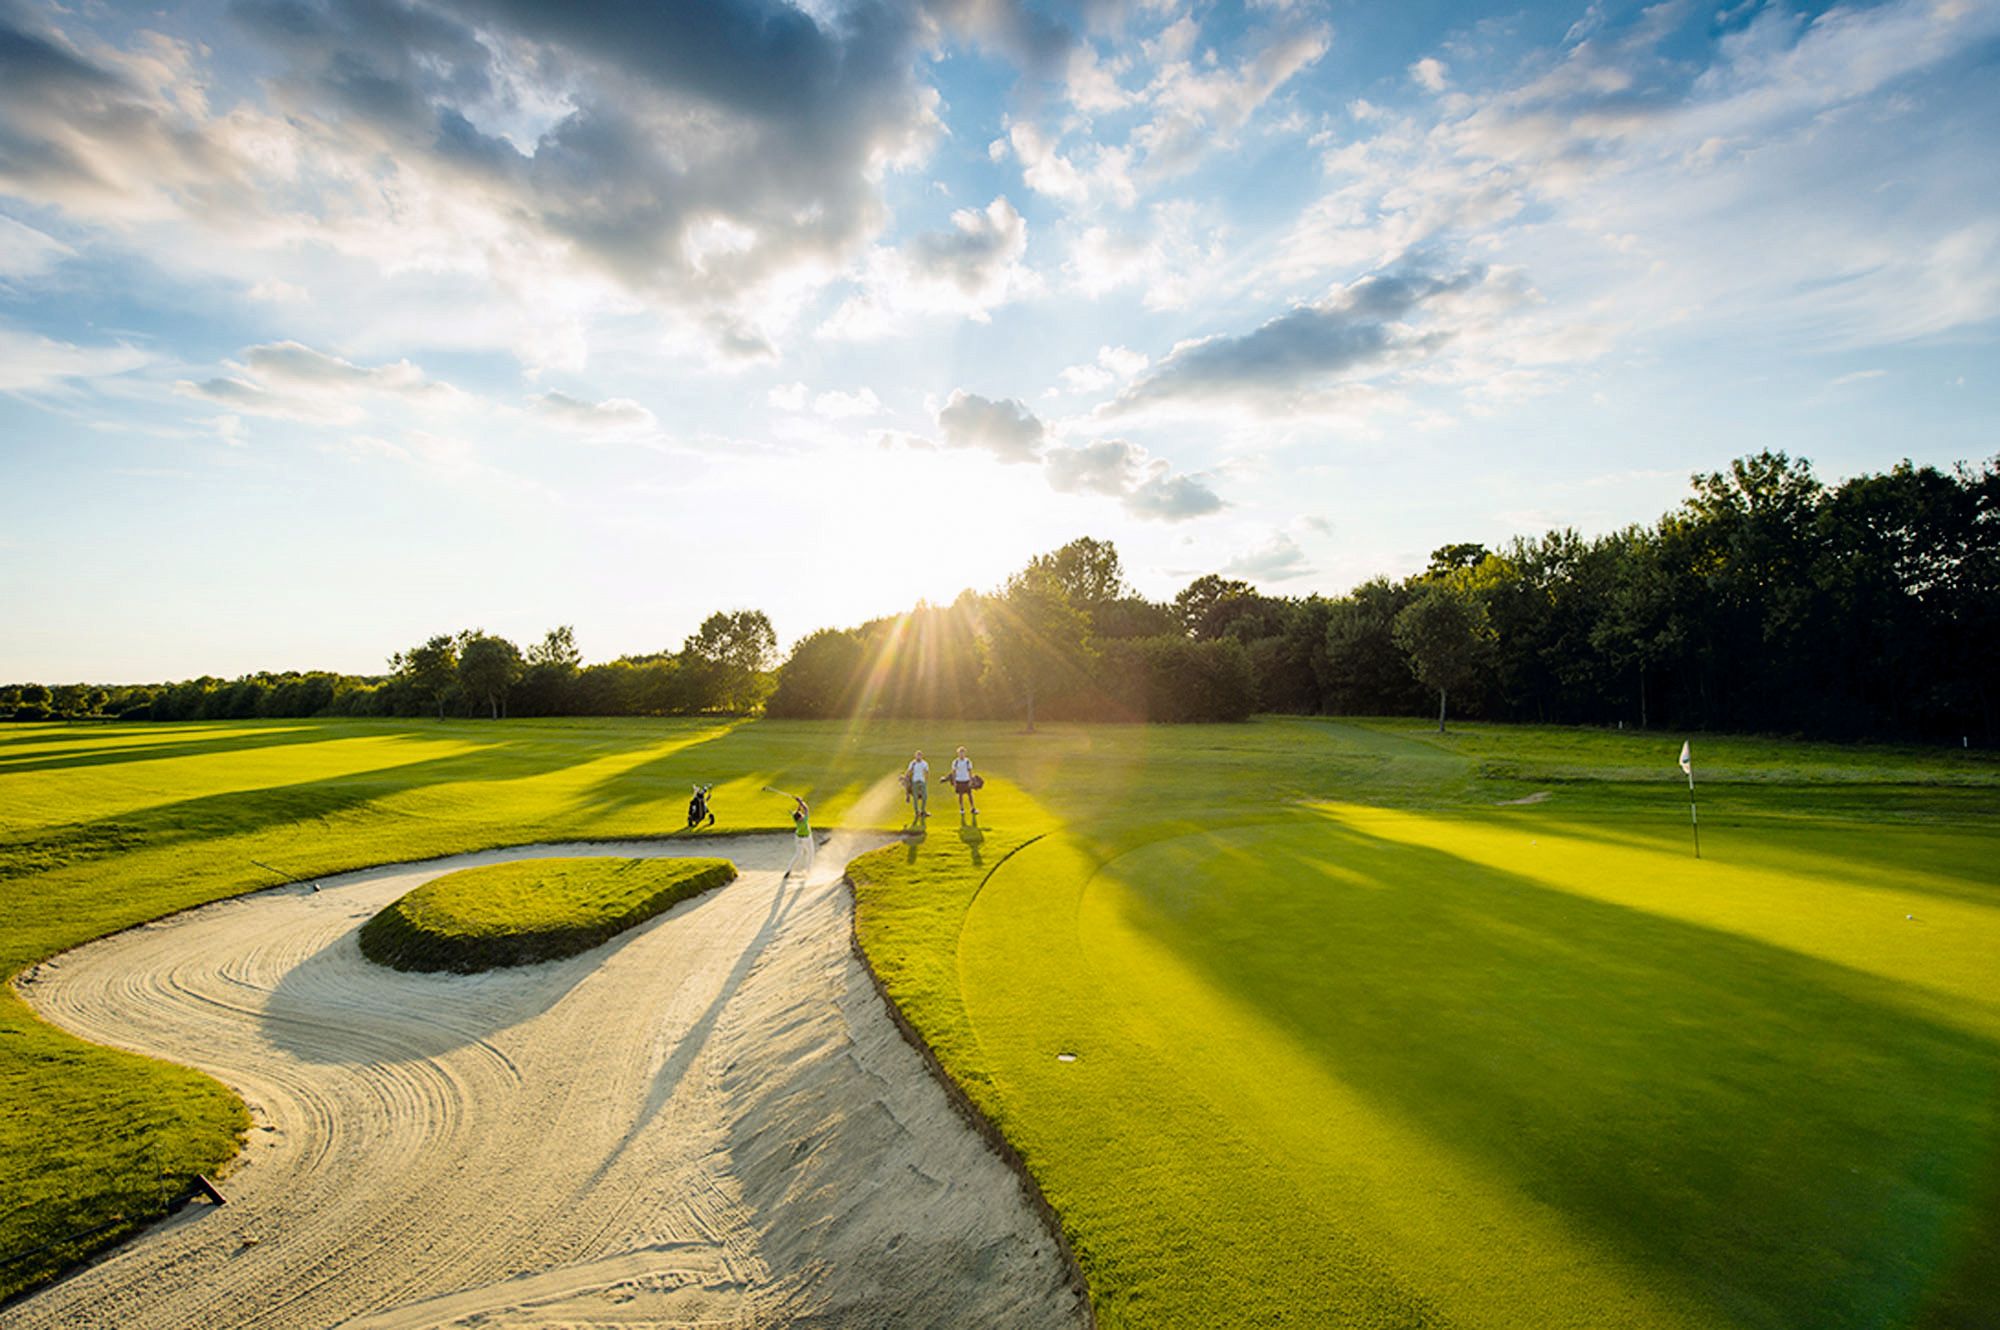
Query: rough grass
(531, 910)
(1356, 1043)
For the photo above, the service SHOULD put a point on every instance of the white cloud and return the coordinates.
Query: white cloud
(1005, 428)
(616, 417)
(1102, 175)
(1645, 197)
(26, 252)
(1112, 365)
(30, 363)
(1172, 260)
(967, 271)
(292, 381)
(278, 291)
(1198, 109)
(1277, 559)
(1148, 486)
(788, 397)
(1429, 73)
(847, 406)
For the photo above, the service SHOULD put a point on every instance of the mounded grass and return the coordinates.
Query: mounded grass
(530, 910)
(1356, 1041)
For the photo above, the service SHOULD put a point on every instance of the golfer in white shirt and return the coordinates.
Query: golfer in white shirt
(961, 781)
(920, 771)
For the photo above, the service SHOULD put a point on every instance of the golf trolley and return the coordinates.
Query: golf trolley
(698, 813)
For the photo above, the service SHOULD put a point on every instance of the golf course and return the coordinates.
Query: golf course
(1296, 1021)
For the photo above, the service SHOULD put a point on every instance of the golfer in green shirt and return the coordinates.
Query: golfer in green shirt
(802, 834)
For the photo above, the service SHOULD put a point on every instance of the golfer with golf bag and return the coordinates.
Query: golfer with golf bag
(916, 786)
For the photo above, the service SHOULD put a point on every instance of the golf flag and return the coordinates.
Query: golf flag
(1687, 765)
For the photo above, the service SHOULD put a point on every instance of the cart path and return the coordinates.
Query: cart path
(708, 1120)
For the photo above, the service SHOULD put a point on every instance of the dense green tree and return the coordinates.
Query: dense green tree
(1445, 632)
(1203, 605)
(820, 676)
(1039, 641)
(431, 670)
(1133, 616)
(1086, 572)
(725, 660)
(487, 668)
(558, 648)
(549, 675)
(1365, 672)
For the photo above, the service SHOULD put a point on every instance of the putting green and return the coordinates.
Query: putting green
(1528, 1065)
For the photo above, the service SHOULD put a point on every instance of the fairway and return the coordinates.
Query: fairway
(1356, 1038)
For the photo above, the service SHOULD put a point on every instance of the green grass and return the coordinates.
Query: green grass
(530, 910)
(1358, 1041)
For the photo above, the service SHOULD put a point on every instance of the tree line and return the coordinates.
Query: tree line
(1765, 601)
(724, 666)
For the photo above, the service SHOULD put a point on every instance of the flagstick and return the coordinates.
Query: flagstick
(1693, 820)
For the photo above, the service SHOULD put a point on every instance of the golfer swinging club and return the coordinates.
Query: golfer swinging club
(919, 775)
(802, 836)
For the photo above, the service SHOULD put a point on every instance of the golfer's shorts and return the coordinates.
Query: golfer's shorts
(962, 786)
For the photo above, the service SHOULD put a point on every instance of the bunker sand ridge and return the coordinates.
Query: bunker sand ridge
(711, 1119)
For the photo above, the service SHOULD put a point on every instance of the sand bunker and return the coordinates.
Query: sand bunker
(710, 1119)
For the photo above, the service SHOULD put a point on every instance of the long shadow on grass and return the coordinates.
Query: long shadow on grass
(1774, 1130)
(242, 812)
(152, 746)
(1867, 856)
(666, 776)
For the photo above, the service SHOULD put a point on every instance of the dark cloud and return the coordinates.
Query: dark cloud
(1360, 326)
(679, 116)
(1005, 428)
(689, 151)
(76, 129)
(32, 65)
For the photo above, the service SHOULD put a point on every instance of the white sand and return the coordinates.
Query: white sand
(709, 1120)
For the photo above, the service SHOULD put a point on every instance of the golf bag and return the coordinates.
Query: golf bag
(698, 813)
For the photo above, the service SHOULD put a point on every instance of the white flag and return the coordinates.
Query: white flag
(1687, 758)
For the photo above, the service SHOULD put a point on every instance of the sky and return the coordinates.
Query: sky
(328, 325)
